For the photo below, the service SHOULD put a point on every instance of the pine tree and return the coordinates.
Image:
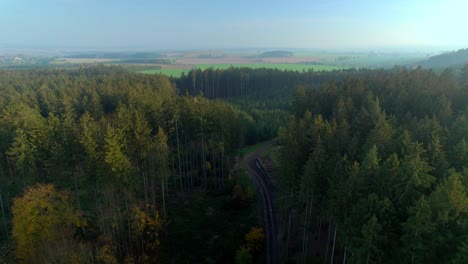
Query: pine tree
(371, 240)
(450, 199)
(417, 231)
(415, 169)
(115, 156)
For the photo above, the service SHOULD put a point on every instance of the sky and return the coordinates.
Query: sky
(219, 24)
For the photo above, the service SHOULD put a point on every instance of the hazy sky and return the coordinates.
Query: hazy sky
(193, 24)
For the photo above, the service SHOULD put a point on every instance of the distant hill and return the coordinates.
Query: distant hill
(276, 54)
(450, 59)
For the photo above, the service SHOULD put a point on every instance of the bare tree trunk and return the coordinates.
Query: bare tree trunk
(190, 166)
(222, 152)
(76, 188)
(203, 157)
(334, 241)
(212, 87)
(289, 217)
(344, 255)
(3, 215)
(222, 166)
(304, 233)
(289, 230)
(328, 242)
(153, 184)
(2, 173)
(145, 188)
(178, 155)
(187, 176)
(164, 202)
(311, 205)
(412, 253)
(317, 241)
(12, 169)
(143, 172)
(128, 220)
(213, 165)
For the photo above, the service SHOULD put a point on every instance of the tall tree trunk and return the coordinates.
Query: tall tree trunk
(212, 87)
(187, 176)
(76, 188)
(311, 205)
(3, 215)
(345, 248)
(12, 169)
(287, 239)
(304, 233)
(145, 188)
(333, 248)
(190, 168)
(153, 184)
(213, 165)
(328, 242)
(289, 215)
(178, 154)
(164, 202)
(317, 241)
(203, 157)
(412, 251)
(127, 214)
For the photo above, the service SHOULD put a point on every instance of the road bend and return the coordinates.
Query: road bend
(258, 175)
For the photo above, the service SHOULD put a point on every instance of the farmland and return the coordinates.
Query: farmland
(183, 62)
(176, 72)
(175, 63)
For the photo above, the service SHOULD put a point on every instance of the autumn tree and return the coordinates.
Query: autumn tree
(44, 217)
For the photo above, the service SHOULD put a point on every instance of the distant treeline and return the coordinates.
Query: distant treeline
(235, 82)
(117, 55)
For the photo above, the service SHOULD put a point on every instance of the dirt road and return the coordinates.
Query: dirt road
(269, 223)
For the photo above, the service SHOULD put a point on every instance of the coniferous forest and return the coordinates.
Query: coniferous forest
(104, 165)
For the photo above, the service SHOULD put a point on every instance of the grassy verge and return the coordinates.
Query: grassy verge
(273, 153)
(251, 148)
(168, 72)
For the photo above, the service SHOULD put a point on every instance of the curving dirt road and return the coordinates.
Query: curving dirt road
(269, 225)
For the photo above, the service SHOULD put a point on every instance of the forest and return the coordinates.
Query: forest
(103, 165)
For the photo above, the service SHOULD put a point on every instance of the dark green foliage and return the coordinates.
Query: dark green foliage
(123, 145)
(392, 148)
(373, 163)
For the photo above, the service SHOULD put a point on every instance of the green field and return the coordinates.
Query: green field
(280, 66)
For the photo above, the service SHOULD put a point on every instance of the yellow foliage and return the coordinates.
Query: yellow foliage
(254, 239)
(208, 165)
(41, 215)
(106, 256)
(147, 225)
